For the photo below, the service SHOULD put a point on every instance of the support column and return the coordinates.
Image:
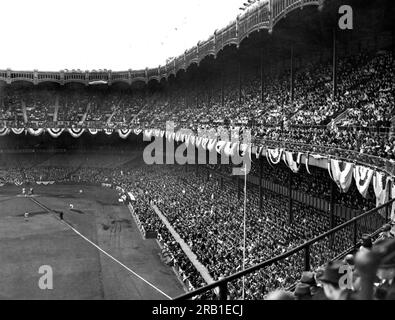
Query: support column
(262, 77)
(332, 206)
(222, 84)
(290, 202)
(196, 86)
(196, 162)
(332, 214)
(240, 67)
(260, 182)
(238, 187)
(164, 141)
(292, 78)
(334, 66)
(388, 207)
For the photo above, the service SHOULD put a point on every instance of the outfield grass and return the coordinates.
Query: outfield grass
(80, 271)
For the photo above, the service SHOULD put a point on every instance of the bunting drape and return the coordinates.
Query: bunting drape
(4, 131)
(275, 155)
(124, 133)
(76, 132)
(35, 132)
(380, 186)
(341, 176)
(294, 165)
(363, 177)
(55, 132)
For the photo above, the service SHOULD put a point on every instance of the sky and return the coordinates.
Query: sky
(52, 35)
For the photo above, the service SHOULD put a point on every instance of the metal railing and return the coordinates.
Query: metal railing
(368, 160)
(350, 232)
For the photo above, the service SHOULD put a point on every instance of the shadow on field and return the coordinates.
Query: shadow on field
(77, 211)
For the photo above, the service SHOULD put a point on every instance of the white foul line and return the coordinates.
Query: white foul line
(107, 254)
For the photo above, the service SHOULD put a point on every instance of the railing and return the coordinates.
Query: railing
(368, 160)
(333, 242)
(375, 162)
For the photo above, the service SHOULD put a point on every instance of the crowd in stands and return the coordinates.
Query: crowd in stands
(207, 212)
(357, 120)
(27, 106)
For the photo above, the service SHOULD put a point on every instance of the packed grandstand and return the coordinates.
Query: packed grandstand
(319, 103)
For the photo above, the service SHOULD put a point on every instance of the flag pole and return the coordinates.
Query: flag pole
(244, 225)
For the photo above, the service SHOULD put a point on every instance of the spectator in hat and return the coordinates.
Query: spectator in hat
(302, 291)
(308, 278)
(386, 233)
(366, 243)
(332, 279)
(349, 260)
(317, 292)
(386, 275)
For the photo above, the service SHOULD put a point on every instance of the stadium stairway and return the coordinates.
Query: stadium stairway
(187, 250)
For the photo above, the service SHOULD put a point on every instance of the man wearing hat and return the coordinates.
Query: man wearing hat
(333, 278)
(317, 292)
(366, 243)
(302, 291)
(386, 275)
(386, 233)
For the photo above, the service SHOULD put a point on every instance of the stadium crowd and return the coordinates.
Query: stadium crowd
(206, 209)
(357, 120)
(208, 214)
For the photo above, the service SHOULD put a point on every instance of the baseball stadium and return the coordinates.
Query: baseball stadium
(257, 165)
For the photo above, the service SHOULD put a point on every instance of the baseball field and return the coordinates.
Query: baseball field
(97, 252)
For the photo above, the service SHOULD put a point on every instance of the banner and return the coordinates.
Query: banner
(35, 132)
(258, 151)
(274, 155)
(380, 184)
(124, 133)
(147, 134)
(137, 131)
(45, 183)
(76, 132)
(18, 130)
(55, 132)
(341, 176)
(211, 144)
(291, 163)
(93, 131)
(4, 131)
(363, 177)
(108, 131)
